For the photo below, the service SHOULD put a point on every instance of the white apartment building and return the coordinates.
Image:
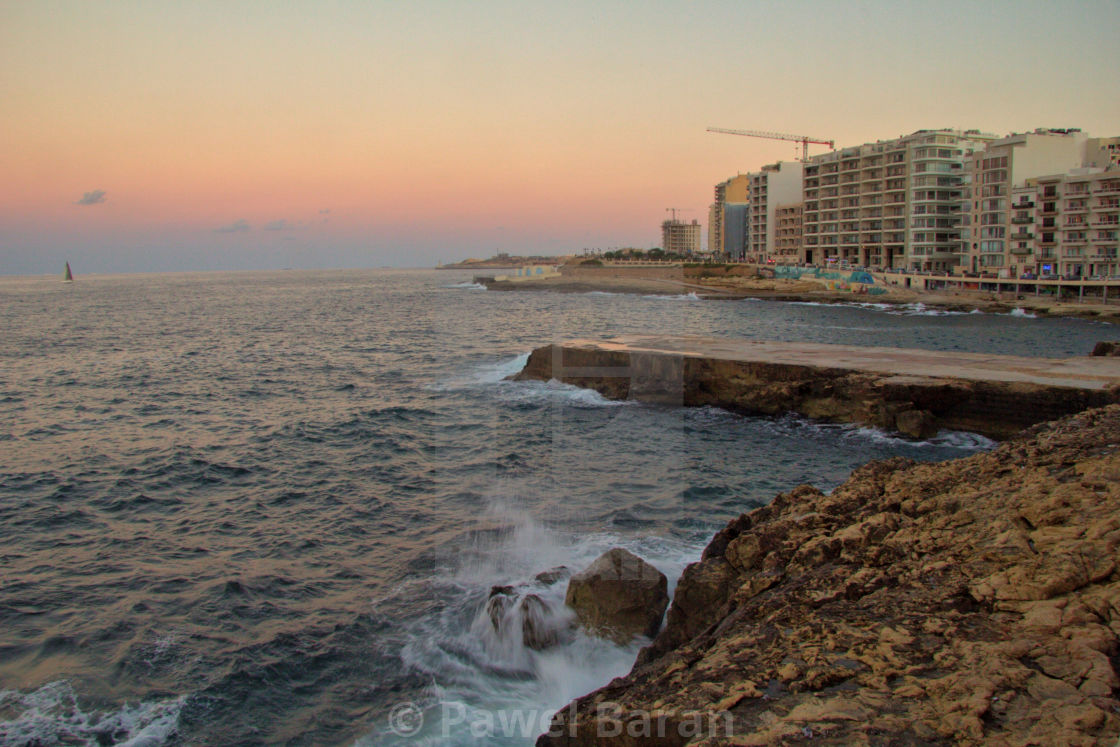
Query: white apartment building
(889, 204)
(776, 184)
(1037, 205)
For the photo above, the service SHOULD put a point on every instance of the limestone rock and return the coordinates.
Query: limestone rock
(916, 423)
(970, 602)
(512, 612)
(619, 596)
(1107, 349)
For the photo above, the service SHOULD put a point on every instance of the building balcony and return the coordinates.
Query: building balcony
(1022, 205)
(1022, 236)
(1077, 209)
(1021, 250)
(1022, 221)
(1107, 188)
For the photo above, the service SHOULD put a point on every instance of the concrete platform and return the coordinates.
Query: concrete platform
(912, 391)
(1084, 372)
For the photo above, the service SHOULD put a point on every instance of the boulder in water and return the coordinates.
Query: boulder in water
(552, 575)
(619, 596)
(540, 625)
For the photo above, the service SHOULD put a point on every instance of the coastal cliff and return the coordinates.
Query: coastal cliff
(972, 601)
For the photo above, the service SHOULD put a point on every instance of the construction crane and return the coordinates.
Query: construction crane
(803, 139)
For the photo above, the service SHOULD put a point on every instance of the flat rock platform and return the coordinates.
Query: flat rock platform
(916, 392)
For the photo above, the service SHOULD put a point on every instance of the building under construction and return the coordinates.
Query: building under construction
(678, 237)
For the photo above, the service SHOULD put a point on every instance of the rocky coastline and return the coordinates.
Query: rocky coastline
(740, 282)
(968, 602)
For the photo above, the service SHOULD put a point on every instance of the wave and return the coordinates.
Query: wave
(556, 392)
(1022, 314)
(52, 715)
(478, 668)
(482, 374)
(467, 285)
(679, 297)
(963, 440)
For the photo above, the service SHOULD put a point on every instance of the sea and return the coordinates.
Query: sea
(270, 507)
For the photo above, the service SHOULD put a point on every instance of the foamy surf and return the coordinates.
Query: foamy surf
(486, 685)
(52, 715)
(467, 285)
(556, 393)
(678, 297)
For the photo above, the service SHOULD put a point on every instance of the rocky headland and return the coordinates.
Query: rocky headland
(968, 602)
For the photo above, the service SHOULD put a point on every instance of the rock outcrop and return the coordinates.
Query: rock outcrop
(1106, 349)
(619, 596)
(525, 618)
(968, 602)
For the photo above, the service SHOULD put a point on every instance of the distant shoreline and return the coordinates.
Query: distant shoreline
(624, 280)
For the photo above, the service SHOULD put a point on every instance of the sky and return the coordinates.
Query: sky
(164, 136)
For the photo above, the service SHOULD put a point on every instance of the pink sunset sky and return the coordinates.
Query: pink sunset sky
(149, 136)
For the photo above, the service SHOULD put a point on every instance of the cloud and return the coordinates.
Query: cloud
(236, 227)
(96, 197)
(277, 225)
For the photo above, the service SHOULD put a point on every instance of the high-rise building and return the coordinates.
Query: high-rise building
(889, 204)
(727, 217)
(1065, 225)
(1041, 203)
(678, 237)
(776, 184)
(787, 241)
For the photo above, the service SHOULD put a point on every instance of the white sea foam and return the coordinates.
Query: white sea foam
(678, 297)
(944, 438)
(481, 675)
(482, 374)
(556, 392)
(1022, 313)
(467, 285)
(52, 715)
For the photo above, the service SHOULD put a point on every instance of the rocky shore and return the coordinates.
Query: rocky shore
(739, 282)
(968, 602)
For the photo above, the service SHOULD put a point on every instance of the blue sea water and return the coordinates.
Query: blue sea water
(260, 508)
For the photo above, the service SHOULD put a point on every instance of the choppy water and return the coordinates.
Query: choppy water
(268, 507)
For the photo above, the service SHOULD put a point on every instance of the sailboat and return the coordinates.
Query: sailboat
(67, 276)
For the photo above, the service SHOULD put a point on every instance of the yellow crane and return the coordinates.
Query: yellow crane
(803, 139)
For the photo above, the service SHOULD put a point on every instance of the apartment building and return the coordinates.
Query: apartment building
(678, 237)
(727, 226)
(1041, 184)
(1066, 225)
(890, 204)
(787, 242)
(776, 184)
